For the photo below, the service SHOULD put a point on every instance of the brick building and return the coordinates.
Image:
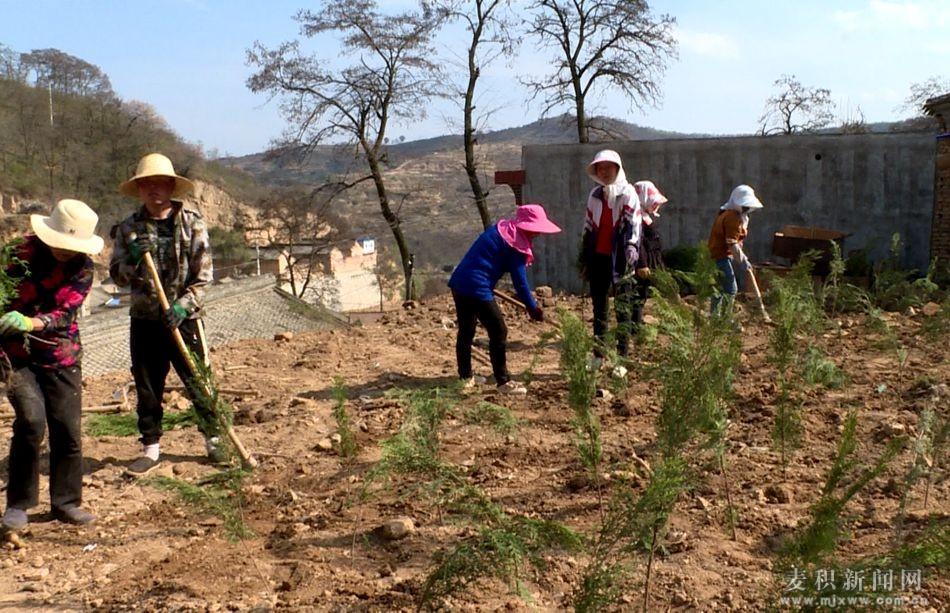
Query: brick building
(343, 276)
(939, 107)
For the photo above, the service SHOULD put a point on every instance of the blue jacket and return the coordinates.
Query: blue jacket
(486, 261)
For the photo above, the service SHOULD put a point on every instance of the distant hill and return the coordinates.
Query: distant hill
(427, 181)
(288, 168)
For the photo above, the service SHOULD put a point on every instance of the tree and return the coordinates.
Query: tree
(391, 77)
(796, 108)
(301, 225)
(66, 74)
(488, 24)
(854, 122)
(600, 42)
(923, 91)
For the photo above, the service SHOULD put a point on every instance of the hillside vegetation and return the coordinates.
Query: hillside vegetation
(65, 133)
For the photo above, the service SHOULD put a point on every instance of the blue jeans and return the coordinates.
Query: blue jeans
(732, 279)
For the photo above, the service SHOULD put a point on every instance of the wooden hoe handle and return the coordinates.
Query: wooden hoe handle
(246, 457)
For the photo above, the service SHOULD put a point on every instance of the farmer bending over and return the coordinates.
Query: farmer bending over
(177, 238)
(503, 248)
(43, 374)
(725, 242)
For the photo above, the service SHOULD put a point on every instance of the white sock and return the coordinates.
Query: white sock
(212, 443)
(151, 452)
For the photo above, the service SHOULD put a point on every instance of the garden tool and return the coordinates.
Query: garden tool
(246, 457)
(758, 296)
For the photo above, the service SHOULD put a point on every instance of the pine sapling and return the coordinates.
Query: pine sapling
(819, 537)
(630, 525)
(923, 449)
(347, 446)
(582, 376)
(938, 452)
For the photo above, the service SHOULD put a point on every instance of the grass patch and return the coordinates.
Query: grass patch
(219, 494)
(126, 424)
(500, 418)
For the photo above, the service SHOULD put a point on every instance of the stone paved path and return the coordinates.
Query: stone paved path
(249, 308)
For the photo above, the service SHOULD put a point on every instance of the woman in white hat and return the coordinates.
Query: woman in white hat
(40, 338)
(726, 238)
(611, 244)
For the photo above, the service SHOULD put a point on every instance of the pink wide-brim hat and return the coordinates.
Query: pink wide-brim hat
(532, 218)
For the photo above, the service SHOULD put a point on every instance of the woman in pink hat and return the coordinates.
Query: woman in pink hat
(503, 248)
(611, 245)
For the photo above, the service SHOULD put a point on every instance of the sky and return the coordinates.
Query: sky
(187, 59)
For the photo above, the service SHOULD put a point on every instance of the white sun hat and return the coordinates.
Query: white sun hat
(156, 165)
(742, 196)
(606, 155)
(71, 226)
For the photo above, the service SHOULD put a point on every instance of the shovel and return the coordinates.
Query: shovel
(242, 451)
(758, 296)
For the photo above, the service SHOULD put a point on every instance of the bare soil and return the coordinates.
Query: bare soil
(315, 547)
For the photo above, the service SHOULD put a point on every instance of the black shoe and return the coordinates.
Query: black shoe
(15, 519)
(73, 515)
(142, 466)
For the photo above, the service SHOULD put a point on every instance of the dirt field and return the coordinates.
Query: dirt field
(315, 547)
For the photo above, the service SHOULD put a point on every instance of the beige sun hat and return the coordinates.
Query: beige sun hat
(156, 165)
(71, 226)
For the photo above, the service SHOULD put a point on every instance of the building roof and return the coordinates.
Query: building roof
(930, 107)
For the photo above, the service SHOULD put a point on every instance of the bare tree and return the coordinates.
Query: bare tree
(923, 91)
(602, 42)
(391, 77)
(796, 108)
(854, 122)
(302, 226)
(489, 25)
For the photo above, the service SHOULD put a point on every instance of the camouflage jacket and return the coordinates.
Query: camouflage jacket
(184, 275)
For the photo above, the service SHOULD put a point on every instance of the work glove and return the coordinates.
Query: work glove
(632, 253)
(175, 314)
(14, 322)
(138, 246)
(536, 313)
(644, 272)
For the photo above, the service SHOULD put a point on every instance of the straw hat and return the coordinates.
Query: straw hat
(70, 226)
(156, 165)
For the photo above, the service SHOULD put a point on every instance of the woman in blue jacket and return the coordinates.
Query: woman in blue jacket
(503, 248)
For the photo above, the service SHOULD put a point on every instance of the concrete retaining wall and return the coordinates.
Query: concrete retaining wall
(870, 185)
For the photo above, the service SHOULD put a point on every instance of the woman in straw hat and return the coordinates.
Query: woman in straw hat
(177, 238)
(725, 242)
(40, 338)
(503, 248)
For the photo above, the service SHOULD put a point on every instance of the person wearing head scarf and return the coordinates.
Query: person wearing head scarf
(650, 258)
(43, 353)
(611, 243)
(503, 248)
(725, 242)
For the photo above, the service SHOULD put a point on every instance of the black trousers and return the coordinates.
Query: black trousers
(42, 398)
(629, 298)
(154, 351)
(468, 312)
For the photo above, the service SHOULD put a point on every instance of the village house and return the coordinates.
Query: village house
(340, 276)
